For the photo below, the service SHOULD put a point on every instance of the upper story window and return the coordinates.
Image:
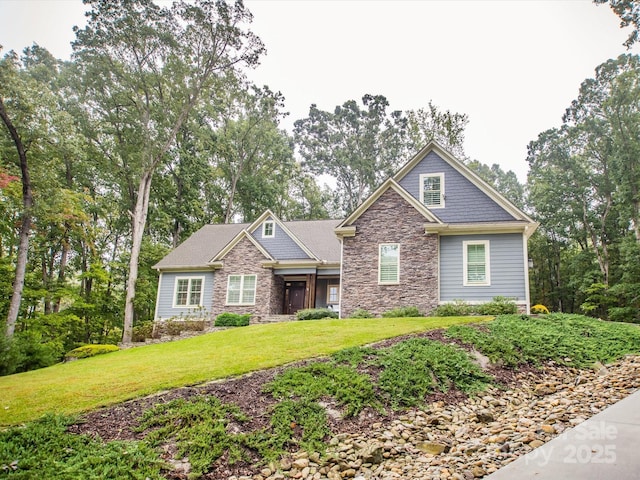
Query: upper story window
(432, 190)
(268, 229)
(476, 263)
(188, 292)
(241, 290)
(389, 263)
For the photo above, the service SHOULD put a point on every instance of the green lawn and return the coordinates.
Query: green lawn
(107, 379)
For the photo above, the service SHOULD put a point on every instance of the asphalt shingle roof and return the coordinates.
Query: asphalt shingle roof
(201, 247)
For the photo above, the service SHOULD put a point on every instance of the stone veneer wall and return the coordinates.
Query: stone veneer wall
(389, 220)
(244, 259)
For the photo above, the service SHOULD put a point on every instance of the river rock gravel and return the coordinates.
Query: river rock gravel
(471, 438)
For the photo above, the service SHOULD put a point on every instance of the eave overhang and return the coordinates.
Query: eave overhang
(480, 228)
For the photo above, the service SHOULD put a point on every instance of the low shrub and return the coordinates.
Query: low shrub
(45, 449)
(457, 308)
(539, 309)
(402, 312)
(228, 319)
(499, 306)
(361, 313)
(316, 314)
(91, 351)
(142, 332)
(198, 427)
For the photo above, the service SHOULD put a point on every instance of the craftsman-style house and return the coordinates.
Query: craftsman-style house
(433, 233)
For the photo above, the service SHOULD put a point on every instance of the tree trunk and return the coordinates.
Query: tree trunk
(25, 227)
(138, 221)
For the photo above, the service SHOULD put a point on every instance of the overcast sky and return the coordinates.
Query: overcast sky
(512, 66)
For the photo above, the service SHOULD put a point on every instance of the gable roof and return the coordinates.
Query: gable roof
(197, 250)
(390, 183)
(466, 172)
(212, 242)
(269, 214)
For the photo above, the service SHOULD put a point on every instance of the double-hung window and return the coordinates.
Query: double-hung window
(432, 190)
(268, 229)
(188, 292)
(389, 263)
(476, 263)
(241, 290)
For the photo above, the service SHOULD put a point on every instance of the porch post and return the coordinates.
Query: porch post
(310, 291)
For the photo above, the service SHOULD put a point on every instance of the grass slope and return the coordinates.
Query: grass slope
(104, 380)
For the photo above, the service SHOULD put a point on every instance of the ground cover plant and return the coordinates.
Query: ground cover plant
(296, 399)
(568, 339)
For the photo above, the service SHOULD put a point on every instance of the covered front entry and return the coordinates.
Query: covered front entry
(299, 293)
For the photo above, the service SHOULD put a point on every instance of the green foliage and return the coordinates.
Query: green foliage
(499, 306)
(294, 423)
(10, 356)
(199, 429)
(228, 319)
(598, 300)
(354, 356)
(91, 350)
(176, 327)
(567, 339)
(402, 312)
(457, 308)
(142, 331)
(361, 313)
(316, 314)
(414, 368)
(44, 449)
(352, 390)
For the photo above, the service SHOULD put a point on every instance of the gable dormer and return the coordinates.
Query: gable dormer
(451, 191)
(276, 239)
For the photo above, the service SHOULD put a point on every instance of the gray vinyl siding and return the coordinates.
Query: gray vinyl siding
(166, 292)
(464, 202)
(506, 263)
(281, 246)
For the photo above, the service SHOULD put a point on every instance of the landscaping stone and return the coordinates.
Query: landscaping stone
(475, 437)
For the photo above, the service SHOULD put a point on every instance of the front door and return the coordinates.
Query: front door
(294, 297)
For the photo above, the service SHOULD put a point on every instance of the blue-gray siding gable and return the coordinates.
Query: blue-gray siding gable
(464, 202)
(507, 268)
(166, 292)
(281, 246)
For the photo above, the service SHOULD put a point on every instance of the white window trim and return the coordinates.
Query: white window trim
(329, 287)
(273, 229)
(423, 176)
(242, 277)
(380, 282)
(175, 292)
(487, 260)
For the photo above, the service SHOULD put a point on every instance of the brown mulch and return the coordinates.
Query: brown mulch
(118, 422)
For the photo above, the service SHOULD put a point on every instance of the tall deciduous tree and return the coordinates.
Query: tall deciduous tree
(356, 146)
(145, 69)
(629, 13)
(26, 110)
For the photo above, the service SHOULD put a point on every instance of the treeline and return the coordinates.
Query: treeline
(152, 130)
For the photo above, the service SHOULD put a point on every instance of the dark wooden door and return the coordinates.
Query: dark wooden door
(294, 297)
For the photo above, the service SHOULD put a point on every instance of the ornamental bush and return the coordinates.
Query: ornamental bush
(228, 319)
(91, 351)
(361, 313)
(499, 306)
(316, 314)
(539, 309)
(402, 312)
(457, 308)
